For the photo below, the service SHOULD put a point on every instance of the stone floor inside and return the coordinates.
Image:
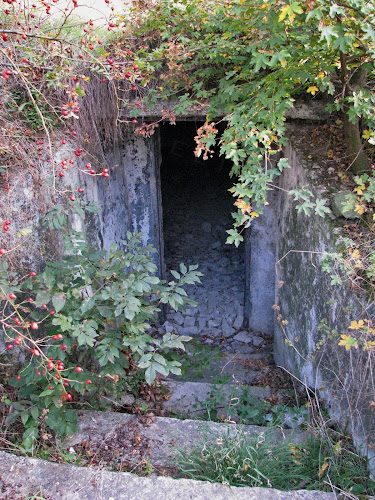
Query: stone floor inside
(197, 209)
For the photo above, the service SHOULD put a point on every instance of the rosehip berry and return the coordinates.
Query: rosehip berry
(44, 306)
(80, 190)
(34, 326)
(2, 251)
(50, 387)
(88, 166)
(18, 377)
(32, 273)
(79, 369)
(9, 346)
(5, 37)
(134, 120)
(52, 313)
(92, 172)
(61, 174)
(71, 198)
(26, 61)
(68, 397)
(59, 336)
(63, 347)
(12, 296)
(88, 381)
(66, 384)
(38, 373)
(63, 141)
(50, 365)
(134, 87)
(74, 132)
(57, 376)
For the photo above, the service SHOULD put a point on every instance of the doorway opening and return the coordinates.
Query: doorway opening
(197, 209)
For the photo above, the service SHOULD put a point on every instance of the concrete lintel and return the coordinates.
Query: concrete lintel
(314, 111)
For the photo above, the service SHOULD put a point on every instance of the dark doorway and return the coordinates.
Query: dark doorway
(196, 214)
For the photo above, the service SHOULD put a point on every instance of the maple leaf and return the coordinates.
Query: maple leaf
(348, 342)
(357, 326)
(313, 89)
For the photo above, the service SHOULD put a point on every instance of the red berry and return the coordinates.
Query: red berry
(38, 373)
(71, 198)
(134, 87)
(80, 190)
(134, 120)
(88, 165)
(34, 326)
(63, 347)
(2, 251)
(57, 376)
(92, 172)
(69, 397)
(44, 306)
(74, 132)
(18, 377)
(32, 273)
(64, 112)
(50, 387)
(9, 346)
(50, 365)
(66, 384)
(61, 174)
(5, 37)
(137, 103)
(88, 381)
(52, 313)
(12, 296)
(5, 227)
(59, 336)
(79, 369)
(63, 141)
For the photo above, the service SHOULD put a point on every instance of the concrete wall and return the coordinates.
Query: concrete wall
(343, 379)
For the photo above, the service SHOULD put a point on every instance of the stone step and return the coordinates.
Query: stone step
(156, 438)
(190, 398)
(22, 477)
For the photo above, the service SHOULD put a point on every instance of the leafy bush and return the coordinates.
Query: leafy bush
(91, 311)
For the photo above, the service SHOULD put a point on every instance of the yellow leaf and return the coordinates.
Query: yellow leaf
(254, 214)
(286, 11)
(359, 209)
(313, 89)
(320, 75)
(357, 326)
(322, 469)
(356, 254)
(367, 134)
(348, 342)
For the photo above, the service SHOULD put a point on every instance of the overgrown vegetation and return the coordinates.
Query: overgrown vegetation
(319, 464)
(82, 321)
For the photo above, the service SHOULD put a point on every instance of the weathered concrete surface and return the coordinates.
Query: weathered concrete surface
(160, 436)
(342, 379)
(261, 268)
(188, 398)
(25, 476)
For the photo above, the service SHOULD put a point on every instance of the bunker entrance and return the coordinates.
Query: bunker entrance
(196, 214)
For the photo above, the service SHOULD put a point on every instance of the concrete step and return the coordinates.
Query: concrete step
(190, 398)
(155, 439)
(238, 367)
(22, 477)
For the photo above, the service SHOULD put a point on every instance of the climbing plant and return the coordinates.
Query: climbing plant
(249, 62)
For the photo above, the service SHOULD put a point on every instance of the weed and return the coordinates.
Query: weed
(248, 461)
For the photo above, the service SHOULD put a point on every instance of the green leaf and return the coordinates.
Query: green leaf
(58, 301)
(150, 375)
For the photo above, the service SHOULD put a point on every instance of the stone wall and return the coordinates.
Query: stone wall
(343, 379)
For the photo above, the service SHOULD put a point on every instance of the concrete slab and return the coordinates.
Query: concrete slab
(21, 476)
(160, 436)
